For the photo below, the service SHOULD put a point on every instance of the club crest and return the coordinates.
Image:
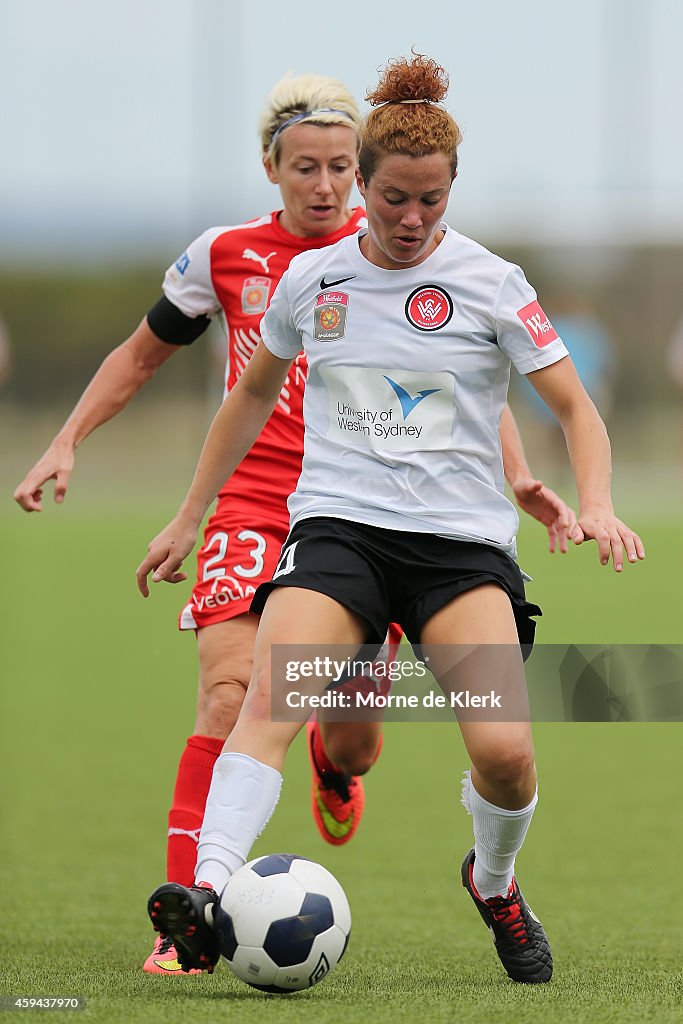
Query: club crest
(329, 316)
(428, 308)
(255, 291)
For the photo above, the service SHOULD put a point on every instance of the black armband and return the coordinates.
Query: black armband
(173, 326)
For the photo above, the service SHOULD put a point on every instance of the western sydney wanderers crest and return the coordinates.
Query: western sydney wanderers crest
(428, 308)
(255, 292)
(329, 316)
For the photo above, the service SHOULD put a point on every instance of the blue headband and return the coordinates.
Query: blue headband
(306, 114)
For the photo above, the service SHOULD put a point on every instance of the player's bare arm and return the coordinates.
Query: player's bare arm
(120, 376)
(590, 455)
(531, 494)
(234, 429)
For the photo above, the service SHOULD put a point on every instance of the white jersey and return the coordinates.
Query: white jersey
(408, 378)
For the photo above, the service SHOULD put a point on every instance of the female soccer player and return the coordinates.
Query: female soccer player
(413, 328)
(309, 135)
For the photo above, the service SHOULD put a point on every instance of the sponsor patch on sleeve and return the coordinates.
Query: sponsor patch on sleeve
(182, 263)
(537, 324)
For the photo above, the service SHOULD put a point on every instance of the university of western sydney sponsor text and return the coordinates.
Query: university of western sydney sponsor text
(373, 422)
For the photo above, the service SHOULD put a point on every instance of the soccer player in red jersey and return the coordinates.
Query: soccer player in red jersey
(309, 135)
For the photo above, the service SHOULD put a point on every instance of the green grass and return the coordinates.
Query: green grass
(97, 697)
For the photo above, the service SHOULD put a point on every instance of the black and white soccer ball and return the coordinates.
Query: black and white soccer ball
(283, 923)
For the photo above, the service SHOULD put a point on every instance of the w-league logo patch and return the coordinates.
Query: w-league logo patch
(255, 295)
(537, 324)
(329, 316)
(428, 308)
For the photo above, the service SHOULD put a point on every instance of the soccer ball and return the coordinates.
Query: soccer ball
(283, 923)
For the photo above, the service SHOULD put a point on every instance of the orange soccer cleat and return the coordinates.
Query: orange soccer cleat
(164, 958)
(186, 916)
(337, 799)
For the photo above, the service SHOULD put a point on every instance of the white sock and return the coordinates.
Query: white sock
(242, 796)
(498, 837)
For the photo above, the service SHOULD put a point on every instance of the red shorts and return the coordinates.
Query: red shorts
(240, 551)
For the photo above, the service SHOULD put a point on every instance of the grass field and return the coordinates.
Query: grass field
(97, 697)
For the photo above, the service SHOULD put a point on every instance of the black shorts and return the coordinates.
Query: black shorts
(393, 575)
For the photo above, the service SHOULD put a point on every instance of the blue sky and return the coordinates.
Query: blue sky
(131, 125)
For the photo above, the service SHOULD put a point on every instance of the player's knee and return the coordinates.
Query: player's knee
(510, 768)
(218, 706)
(259, 704)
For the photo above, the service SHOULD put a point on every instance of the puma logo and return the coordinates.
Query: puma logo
(249, 254)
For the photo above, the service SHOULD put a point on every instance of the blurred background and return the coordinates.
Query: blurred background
(131, 127)
(126, 129)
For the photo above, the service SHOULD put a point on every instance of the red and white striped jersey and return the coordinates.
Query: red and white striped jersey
(232, 272)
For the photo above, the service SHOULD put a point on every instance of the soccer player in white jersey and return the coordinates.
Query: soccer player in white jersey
(309, 135)
(410, 330)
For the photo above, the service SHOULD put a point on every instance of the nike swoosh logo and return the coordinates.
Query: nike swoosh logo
(326, 285)
(172, 966)
(407, 401)
(337, 829)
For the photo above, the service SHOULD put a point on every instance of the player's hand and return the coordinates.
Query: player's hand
(612, 537)
(56, 464)
(166, 554)
(543, 504)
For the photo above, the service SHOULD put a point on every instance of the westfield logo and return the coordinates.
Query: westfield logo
(537, 324)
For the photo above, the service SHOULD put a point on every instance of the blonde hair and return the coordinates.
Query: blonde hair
(316, 98)
(407, 118)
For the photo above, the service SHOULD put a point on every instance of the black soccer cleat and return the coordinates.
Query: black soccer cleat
(183, 914)
(520, 941)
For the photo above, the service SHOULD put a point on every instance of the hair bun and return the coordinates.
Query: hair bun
(419, 79)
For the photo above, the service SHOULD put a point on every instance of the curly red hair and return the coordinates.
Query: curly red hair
(415, 128)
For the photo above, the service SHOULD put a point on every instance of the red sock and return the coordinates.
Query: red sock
(187, 812)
